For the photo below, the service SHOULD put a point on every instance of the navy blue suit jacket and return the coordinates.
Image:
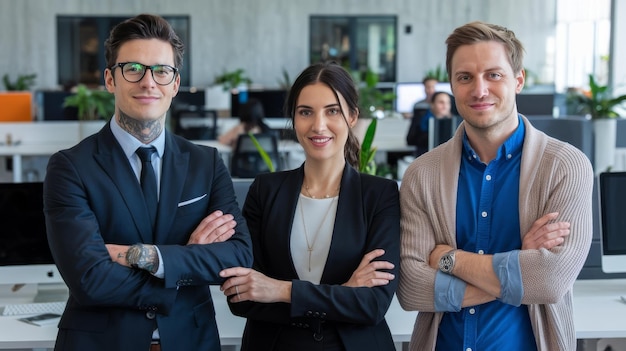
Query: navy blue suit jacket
(367, 218)
(92, 198)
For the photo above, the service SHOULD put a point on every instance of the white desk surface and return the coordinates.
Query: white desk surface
(598, 313)
(598, 310)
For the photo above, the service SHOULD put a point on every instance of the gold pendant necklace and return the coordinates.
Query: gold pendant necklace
(310, 246)
(308, 193)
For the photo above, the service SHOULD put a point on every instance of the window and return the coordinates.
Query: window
(80, 47)
(356, 42)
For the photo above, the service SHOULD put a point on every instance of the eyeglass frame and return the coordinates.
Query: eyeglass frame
(145, 69)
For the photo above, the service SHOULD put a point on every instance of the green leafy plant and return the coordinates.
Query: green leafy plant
(439, 73)
(285, 81)
(366, 160)
(232, 79)
(92, 104)
(22, 83)
(598, 102)
(266, 158)
(371, 99)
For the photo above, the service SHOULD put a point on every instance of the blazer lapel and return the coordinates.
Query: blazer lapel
(173, 175)
(114, 163)
(346, 230)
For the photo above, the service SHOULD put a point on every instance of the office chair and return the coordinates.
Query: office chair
(195, 122)
(246, 161)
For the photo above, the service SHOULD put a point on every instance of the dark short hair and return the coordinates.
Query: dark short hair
(340, 82)
(144, 26)
(476, 32)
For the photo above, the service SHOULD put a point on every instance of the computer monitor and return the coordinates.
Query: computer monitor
(612, 195)
(25, 256)
(535, 104)
(407, 94)
(273, 101)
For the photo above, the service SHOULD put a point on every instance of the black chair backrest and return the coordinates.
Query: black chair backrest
(246, 161)
(195, 123)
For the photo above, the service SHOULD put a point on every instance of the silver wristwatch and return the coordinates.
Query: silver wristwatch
(446, 262)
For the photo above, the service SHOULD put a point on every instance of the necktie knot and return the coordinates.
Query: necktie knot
(145, 153)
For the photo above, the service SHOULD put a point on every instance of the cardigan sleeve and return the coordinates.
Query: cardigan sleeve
(563, 183)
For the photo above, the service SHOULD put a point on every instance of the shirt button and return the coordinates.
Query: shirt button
(150, 314)
(484, 214)
(488, 177)
(472, 311)
(468, 349)
(509, 156)
(481, 252)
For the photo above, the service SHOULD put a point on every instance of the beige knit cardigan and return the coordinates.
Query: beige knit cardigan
(554, 177)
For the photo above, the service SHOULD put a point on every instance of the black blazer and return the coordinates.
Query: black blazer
(92, 197)
(368, 217)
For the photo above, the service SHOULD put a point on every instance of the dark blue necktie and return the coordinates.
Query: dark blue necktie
(148, 181)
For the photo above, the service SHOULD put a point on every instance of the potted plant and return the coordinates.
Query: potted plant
(23, 82)
(92, 104)
(372, 101)
(232, 79)
(600, 105)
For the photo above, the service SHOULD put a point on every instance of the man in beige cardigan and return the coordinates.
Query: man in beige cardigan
(497, 222)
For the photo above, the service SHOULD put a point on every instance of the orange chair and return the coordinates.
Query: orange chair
(16, 106)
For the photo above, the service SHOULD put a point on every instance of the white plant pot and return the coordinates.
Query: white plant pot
(604, 133)
(216, 98)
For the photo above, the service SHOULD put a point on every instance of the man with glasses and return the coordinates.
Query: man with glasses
(140, 221)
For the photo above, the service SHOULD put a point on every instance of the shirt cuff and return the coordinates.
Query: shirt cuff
(507, 268)
(449, 293)
(160, 273)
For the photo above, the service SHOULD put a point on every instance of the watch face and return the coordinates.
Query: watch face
(445, 263)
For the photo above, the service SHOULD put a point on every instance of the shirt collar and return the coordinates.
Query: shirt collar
(510, 148)
(130, 144)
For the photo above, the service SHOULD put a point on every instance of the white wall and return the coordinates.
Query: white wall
(265, 36)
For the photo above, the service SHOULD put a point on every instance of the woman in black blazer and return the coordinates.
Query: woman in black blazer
(326, 238)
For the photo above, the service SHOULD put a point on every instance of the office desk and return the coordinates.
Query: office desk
(598, 310)
(18, 335)
(16, 152)
(598, 313)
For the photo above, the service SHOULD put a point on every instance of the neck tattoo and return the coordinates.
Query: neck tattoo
(310, 246)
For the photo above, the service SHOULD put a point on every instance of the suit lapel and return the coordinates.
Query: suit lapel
(114, 163)
(173, 174)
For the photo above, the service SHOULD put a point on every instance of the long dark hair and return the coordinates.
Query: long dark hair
(251, 114)
(340, 82)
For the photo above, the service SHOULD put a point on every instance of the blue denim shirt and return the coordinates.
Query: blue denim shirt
(487, 222)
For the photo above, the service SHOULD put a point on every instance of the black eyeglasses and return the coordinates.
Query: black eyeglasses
(134, 72)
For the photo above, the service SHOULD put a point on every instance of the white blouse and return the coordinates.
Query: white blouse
(311, 236)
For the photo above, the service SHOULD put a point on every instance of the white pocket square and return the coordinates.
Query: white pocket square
(185, 203)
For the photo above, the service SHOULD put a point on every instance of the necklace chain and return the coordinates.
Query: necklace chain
(308, 193)
(310, 246)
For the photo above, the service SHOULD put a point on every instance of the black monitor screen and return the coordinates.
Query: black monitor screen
(612, 205)
(535, 104)
(23, 238)
(272, 100)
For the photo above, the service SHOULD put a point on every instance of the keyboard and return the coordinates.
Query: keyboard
(34, 308)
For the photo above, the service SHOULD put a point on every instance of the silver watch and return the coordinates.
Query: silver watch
(446, 262)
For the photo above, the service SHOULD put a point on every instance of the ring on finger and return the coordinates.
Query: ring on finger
(237, 290)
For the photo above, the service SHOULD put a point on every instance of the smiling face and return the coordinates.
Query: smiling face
(485, 85)
(144, 101)
(440, 106)
(320, 126)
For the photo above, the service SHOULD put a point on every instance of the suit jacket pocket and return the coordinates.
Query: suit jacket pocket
(194, 205)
